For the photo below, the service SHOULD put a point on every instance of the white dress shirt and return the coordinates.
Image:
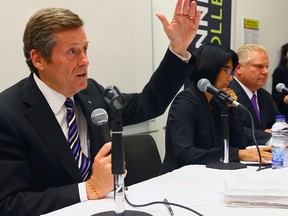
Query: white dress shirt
(56, 102)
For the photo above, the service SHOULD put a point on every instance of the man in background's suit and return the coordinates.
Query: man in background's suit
(250, 76)
(38, 171)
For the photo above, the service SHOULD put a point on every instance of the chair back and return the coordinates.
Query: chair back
(142, 158)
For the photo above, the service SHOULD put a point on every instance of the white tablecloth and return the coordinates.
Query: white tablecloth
(194, 186)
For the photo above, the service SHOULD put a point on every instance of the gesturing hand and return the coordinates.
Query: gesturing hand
(183, 27)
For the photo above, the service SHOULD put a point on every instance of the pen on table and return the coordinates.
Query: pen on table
(168, 207)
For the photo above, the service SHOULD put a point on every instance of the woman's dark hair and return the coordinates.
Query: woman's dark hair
(283, 58)
(211, 57)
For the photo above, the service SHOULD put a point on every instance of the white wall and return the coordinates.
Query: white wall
(119, 34)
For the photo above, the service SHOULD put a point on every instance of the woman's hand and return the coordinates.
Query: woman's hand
(232, 95)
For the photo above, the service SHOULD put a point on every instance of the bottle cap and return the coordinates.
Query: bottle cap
(280, 117)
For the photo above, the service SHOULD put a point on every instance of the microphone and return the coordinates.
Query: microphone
(100, 118)
(116, 103)
(280, 87)
(205, 85)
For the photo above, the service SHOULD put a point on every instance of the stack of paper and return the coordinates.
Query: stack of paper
(262, 188)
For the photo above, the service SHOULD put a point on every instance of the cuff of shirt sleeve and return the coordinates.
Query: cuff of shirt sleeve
(185, 59)
(82, 191)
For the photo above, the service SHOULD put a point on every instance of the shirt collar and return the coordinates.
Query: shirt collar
(54, 98)
(247, 90)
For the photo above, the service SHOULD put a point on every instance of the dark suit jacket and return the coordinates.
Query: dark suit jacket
(280, 75)
(193, 131)
(267, 109)
(38, 171)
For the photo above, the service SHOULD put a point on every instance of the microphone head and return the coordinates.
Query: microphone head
(280, 87)
(203, 84)
(99, 116)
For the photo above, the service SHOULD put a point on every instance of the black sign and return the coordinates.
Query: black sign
(215, 25)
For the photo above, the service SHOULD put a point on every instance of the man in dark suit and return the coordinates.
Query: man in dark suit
(39, 172)
(251, 75)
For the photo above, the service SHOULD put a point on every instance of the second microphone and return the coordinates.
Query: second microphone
(204, 85)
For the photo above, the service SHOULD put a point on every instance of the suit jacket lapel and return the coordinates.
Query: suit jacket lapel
(41, 116)
(88, 105)
(207, 108)
(87, 108)
(244, 100)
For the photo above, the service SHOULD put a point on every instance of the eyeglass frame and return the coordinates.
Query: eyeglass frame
(228, 70)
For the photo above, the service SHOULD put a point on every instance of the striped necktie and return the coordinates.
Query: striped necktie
(74, 140)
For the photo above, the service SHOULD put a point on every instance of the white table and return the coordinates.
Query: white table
(194, 186)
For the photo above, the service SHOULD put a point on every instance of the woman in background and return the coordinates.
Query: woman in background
(280, 75)
(193, 130)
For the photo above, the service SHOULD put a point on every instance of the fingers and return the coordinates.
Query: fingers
(192, 9)
(268, 130)
(104, 151)
(178, 11)
(264, 161)
(103, 157)
(231, 93)
(197, 16)
(266, 148)
(163, 20)
(266, 158)
(229, 90)
(266, 154)
(193, 12)
(178, 8)
(185, 9)
(107, 160)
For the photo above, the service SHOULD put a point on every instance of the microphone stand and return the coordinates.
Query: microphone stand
(116, 102)
(225, 165)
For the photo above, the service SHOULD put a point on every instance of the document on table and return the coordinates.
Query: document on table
(268, 189)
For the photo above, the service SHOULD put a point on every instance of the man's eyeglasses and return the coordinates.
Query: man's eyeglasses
(228, 70)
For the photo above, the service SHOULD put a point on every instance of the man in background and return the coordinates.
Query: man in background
(250, 76)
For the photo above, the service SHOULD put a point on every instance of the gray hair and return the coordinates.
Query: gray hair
(244, 53)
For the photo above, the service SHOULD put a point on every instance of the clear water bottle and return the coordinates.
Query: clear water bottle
(279, 140)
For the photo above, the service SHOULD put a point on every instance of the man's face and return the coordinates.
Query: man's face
(67, 70)
(254, 74)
